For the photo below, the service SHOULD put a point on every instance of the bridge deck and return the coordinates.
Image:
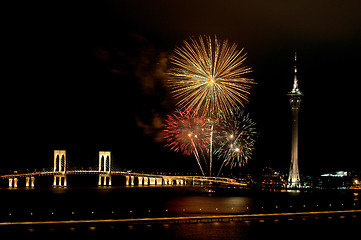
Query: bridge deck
(217, 180)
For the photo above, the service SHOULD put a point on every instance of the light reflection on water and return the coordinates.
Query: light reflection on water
(196, 205)
(134, 202)
(123, 202)
(310, 228)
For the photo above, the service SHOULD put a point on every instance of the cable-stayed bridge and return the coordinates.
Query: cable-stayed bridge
(105, 172)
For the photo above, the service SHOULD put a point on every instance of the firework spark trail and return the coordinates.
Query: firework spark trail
(197, 156)
(211, 152)
(207, 76)
(220, 169)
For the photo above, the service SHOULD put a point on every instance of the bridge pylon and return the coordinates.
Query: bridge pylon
(30, 181)
(105, 168)
(13, 182)
(60, 168)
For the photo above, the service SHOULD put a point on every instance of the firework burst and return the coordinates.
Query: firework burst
(237, 140)
(208, 76)
(187, 134)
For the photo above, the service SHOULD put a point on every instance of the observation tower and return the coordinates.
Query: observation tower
(295, 96)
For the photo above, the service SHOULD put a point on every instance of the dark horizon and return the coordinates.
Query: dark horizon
(90, 77)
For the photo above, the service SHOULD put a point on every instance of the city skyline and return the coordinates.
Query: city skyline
(64, 89)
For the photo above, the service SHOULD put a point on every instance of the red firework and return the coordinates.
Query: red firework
(186, 133)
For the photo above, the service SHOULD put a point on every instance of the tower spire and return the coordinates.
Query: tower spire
(295, 81)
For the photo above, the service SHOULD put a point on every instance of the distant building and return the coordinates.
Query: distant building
(336, 174)
(335, 180)
(272, 178)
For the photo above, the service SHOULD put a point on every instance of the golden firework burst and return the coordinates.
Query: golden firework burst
(208, 77)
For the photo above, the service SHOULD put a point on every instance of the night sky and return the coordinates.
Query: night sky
(89, 77)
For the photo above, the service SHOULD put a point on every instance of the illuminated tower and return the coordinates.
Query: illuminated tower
(105, 168)
(295, 101)
(60, 168)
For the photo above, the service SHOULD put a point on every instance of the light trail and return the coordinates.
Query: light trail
(197, 156)
(186, 219)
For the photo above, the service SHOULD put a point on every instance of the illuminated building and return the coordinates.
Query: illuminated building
(295, 101)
